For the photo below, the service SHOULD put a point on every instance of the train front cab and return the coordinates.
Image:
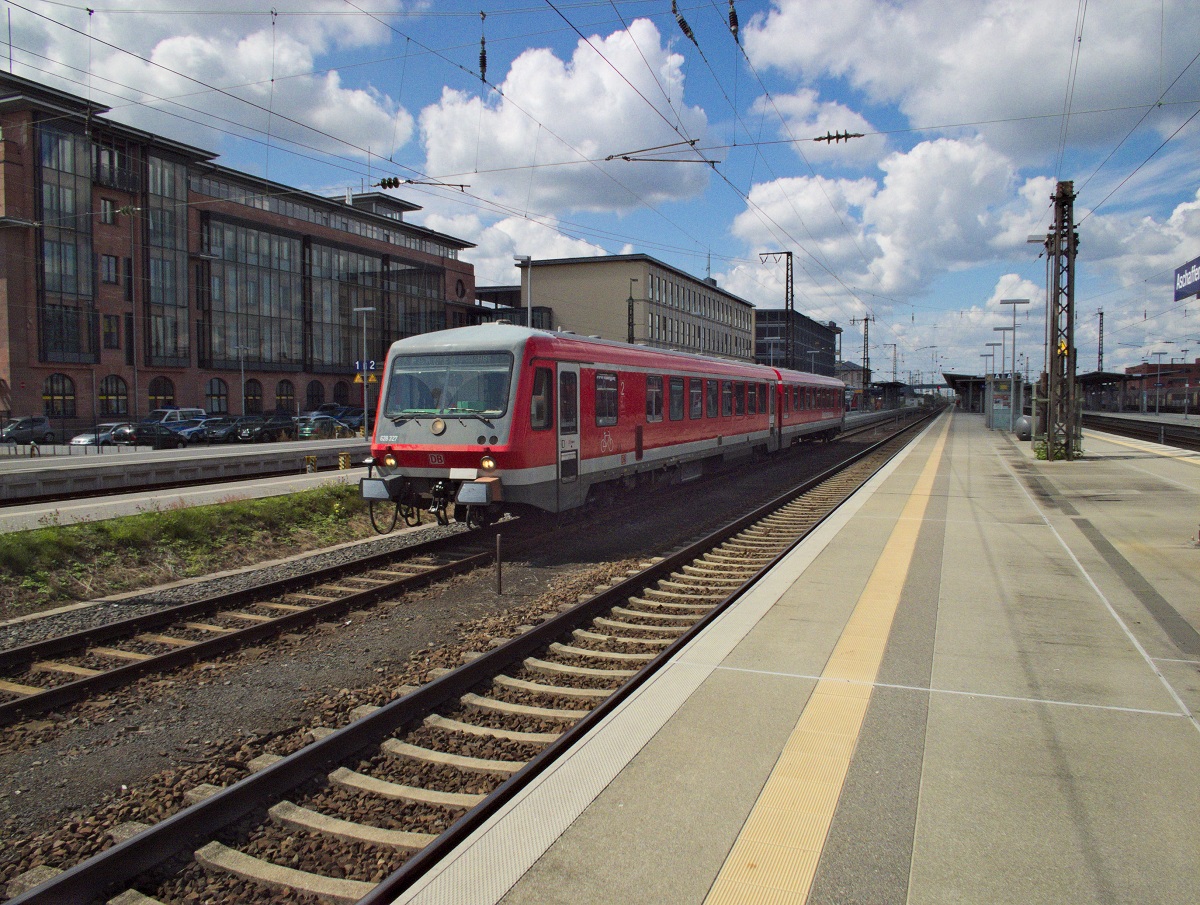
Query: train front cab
(443, 427)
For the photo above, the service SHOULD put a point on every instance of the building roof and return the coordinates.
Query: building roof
(338, 205)
(18, 93)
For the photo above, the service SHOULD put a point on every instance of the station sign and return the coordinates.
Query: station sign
(1187, 280)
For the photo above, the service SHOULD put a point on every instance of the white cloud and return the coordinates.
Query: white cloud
(805, 116)
(970, 61)
(945, 205)
(524, 147)
(175, 56)
(1142, 251)
(935, 210)
(497, 242)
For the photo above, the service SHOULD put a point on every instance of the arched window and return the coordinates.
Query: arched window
(162, 392)
(58, 396)
(217, 396)
(285, 397)
(341, 393)
(253, 401)
(114, 396)
(314, 396)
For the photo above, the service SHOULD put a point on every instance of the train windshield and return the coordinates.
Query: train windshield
(460, 383)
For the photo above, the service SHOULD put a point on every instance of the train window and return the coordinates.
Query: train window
(795, 397)
(752, 402)
(654, 398)
(606, 399)
(762, 398)
(675, 407)
(473, 383)
(739, 398)
(541, 409)
(695, 398)
(762, 392)
(568, 402)
(726, 398)
(712, 401)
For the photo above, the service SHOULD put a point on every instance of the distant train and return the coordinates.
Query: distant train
(477, 421)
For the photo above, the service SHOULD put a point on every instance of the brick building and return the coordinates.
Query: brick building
(1173, 385)
(136, 272)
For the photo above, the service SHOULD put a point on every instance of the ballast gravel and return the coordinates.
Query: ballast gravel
(134, 753)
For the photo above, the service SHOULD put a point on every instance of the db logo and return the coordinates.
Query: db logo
(437, 459)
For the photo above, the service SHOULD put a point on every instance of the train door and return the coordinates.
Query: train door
(568, 433)
(775, 417)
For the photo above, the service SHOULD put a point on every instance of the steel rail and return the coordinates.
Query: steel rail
(110, 871)
(70, 692)
(1185, 436)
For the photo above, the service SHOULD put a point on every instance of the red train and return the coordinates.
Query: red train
(481, 420)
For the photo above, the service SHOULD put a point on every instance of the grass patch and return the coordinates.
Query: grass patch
(58, 564)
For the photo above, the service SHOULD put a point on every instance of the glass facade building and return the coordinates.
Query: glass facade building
(139, 273)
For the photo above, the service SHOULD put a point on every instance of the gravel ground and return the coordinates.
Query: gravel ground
(132, 754)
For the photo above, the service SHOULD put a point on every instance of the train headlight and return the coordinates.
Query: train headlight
(389, 460)
(487, 463)
(438, 426)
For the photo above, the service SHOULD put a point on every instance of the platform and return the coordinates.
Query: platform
(977, 682)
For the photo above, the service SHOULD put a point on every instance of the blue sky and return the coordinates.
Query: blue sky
(971, 111)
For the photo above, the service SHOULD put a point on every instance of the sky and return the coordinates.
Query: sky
(587, 127)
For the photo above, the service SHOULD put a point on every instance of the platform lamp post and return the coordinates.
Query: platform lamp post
(1014, 303)
(1004, 331)
(992, 346)
(1187, 383)
(526, 263)
(1158, 380)
(364, 312)
(241, 350)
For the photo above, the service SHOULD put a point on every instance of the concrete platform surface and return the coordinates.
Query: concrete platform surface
(977, 682)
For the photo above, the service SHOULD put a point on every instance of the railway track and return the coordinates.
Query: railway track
(54, 673)
(364, 810)
(1185, 436)
(51, 674)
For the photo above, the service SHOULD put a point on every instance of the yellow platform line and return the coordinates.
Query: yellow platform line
(775, 856)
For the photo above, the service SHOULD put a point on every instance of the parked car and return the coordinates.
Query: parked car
(221, 429)
(173, 414)
(157, 435)
(197, 431)
(29, 429)
(263, 428)
(320, 427)
(353, 419)
(124, 434)
(101, 434)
